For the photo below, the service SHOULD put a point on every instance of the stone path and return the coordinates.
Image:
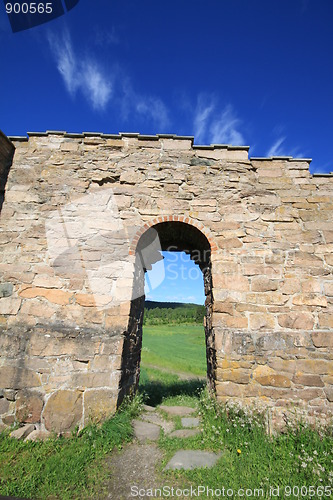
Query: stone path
(134, 468)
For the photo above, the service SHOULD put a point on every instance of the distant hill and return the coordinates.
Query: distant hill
(151, 304)
(162, 313)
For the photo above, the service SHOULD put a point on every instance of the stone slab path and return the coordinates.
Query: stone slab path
(190, 459)
(134, 468)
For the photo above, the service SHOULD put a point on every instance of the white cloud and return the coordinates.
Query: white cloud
(80, 73)
(84, 74)
(97, 88)
(203, 111)
(214, 126)
(279, 149)
(154, 108)
(225, 128)
(276, 149)
(150, 108)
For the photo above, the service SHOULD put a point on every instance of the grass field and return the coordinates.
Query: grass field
(176, 348)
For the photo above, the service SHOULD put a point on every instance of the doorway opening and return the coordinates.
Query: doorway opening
(154, 249)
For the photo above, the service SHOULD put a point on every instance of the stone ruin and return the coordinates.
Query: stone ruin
(85, 215)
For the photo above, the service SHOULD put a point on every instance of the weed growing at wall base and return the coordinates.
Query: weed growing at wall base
(299, 457)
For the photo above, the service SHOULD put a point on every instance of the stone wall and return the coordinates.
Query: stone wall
(76, 207)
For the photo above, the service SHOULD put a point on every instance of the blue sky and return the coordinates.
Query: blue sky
(255, 73)
(176, 278)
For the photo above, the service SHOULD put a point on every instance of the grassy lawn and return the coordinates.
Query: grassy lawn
(178, 348)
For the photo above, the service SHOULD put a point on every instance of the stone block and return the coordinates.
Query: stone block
(4, 405)
(329, 393)
(52, 295)
(322, 339)
(6, 289)
(235, 282)
(296, 320)
(310, 299)
(325, 320)
(38, 435)
(63, 411)
(13, 377)
(37, 309)
(258, 321)
(9, 305)
(328, 287)
(263, 284)
(99, 405)
(308, 380)
(22, 432)
(282, 365)
(29, 406)
(314, 366)
(238, 376)
(266, 376)
(230, 389)
(226, 243)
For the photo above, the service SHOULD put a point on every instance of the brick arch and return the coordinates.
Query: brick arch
(172, 218)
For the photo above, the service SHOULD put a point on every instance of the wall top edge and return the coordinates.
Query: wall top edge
(121, 135)
(284, 158)
(157, 137)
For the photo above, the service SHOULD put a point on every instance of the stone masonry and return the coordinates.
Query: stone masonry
(79, 212)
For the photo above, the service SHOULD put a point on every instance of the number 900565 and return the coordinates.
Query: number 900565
(29, 8)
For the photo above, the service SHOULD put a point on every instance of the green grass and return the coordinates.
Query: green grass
(178, 348)
(63, 468)
(161, 387)
(301, 456)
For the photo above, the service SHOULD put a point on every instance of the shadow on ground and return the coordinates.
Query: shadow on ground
(154, 391)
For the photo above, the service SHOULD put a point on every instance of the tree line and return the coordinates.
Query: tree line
(163, 313)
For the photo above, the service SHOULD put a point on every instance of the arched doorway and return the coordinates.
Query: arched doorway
(165, 236)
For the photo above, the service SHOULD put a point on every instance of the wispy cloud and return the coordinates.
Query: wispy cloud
(154, 108)
(80, 73)
(214, 125)
(204, 110)
(84, 74)
(225, 128)
(276, 149)
(150, 108)
(279, 149)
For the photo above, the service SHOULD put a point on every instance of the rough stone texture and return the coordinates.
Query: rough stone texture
(184, 433)
(22, 432)
(144, 431)
(76, 214)
(99, 404)
(190, 422)
(29, 406)
(180, 411)
(38, 436)
(192, 459)
(63, 411)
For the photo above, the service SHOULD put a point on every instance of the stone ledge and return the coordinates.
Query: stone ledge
(281, 158)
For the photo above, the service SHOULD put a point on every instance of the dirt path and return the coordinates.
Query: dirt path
(134, 467)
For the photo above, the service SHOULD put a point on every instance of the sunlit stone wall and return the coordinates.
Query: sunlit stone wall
(75, 207)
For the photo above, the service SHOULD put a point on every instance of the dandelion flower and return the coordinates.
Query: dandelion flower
(239, 451)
